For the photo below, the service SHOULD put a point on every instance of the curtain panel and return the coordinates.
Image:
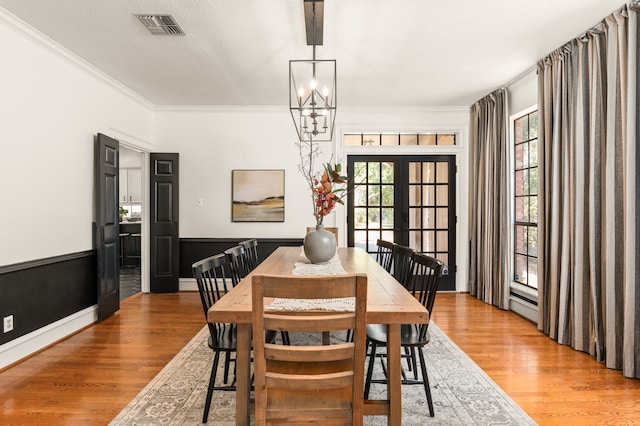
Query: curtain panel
(588, 229)
(490, 201)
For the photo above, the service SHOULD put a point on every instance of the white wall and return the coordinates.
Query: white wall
(51, 107)
(212, 142)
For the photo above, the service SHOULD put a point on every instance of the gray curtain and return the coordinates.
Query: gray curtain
(490, 201)
(589, 281)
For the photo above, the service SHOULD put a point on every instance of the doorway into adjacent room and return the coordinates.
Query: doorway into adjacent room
(131, 205)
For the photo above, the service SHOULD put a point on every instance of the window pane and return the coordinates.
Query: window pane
(359, 171)
(360, 219)
(374, 195)
(373, 216)
(442, 175)
(520, 245)
(520, 270)
(521, 182)
(414, 195)
(428, 172)
(371, 139)
(387, 195)
(428, 196)
(444, 258)
(360, 239)
(533, 125)
(374, 172)
(428, 219)
(446, 139)
(532, 241)
(519, 132)
(352, 139)
(522, 213)
(442, 195)
(414, 173)
(533, 209)
(532, 272)
(408, 139)
(415, 240)
(442, 241)
(425, 139)
(390, 139)
(387, 172)
(360, 195)
(533, 153)
(442, 217)
(414, 218)
(429, 241)
(519, 153)
(387, 235)
(373, 236)
(387, 218)
(533, 181)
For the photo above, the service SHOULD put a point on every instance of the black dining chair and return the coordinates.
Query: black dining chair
(425, 277)
(250, 253)
(213, 283)
(238, 267)
(401, 263)
(384, 255)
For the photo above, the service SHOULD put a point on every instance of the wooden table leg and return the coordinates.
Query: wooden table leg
(243, 374)
(394, 379)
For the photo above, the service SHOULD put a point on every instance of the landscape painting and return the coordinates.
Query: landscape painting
(257, 195)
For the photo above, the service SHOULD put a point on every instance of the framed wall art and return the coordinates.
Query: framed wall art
(257, 195)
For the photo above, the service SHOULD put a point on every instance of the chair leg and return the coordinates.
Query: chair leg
(227, 361)
(425, 379)
(414, 361)
(212, 381)
(372, 360)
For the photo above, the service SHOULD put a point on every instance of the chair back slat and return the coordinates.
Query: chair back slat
(402, 264)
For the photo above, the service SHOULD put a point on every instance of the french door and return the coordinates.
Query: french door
(407, 199)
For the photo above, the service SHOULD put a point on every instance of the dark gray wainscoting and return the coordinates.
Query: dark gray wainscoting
(195, 249)
(40, 292)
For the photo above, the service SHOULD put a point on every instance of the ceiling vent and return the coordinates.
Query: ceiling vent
(161, 24)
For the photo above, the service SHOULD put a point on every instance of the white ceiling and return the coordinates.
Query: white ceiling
(389, 52)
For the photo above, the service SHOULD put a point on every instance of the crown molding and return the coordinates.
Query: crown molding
(27, 31)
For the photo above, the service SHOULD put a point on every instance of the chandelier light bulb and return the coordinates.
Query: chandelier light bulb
(325, 91)
(301, 92)
(313, 84)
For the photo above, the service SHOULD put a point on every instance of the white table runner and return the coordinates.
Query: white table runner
(304, 267)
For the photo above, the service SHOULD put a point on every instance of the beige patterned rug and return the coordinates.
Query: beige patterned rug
(462, 393)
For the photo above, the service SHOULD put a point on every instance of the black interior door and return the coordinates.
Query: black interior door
(406, 199)
(163, 227)
(107, 224)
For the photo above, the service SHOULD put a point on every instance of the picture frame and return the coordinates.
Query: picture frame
(257, 195)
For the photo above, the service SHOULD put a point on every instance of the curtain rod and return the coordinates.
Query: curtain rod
(521, 75)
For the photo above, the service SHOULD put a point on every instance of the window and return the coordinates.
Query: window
(526, 200)
(399, 139)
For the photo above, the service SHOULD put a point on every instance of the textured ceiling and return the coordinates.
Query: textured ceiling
(389, 52)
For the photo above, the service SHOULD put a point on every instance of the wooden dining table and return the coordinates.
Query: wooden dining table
(388, 302)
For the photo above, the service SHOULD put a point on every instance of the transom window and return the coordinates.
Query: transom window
(399, 139)
(526, 200)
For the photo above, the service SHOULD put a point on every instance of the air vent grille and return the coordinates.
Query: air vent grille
(161, 24)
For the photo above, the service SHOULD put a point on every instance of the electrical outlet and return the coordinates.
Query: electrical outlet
(8, 324)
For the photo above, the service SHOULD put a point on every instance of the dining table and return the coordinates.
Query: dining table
(388, 302)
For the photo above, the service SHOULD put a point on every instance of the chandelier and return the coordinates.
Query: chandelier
(312, 84)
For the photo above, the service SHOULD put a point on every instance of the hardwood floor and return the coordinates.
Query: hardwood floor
(89, 377)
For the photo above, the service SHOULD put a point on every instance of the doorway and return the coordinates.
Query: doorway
(406, 199)
(131, 229)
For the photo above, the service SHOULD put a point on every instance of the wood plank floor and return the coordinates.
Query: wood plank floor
(91, 376)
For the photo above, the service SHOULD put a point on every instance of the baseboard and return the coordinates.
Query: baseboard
(23, 346)
(188, 284)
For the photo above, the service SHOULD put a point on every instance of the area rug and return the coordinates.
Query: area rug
(462, 393)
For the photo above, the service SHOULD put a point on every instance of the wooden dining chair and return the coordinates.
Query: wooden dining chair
(213, 283)
(425, 277)
(319, 384)
(384, 255)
